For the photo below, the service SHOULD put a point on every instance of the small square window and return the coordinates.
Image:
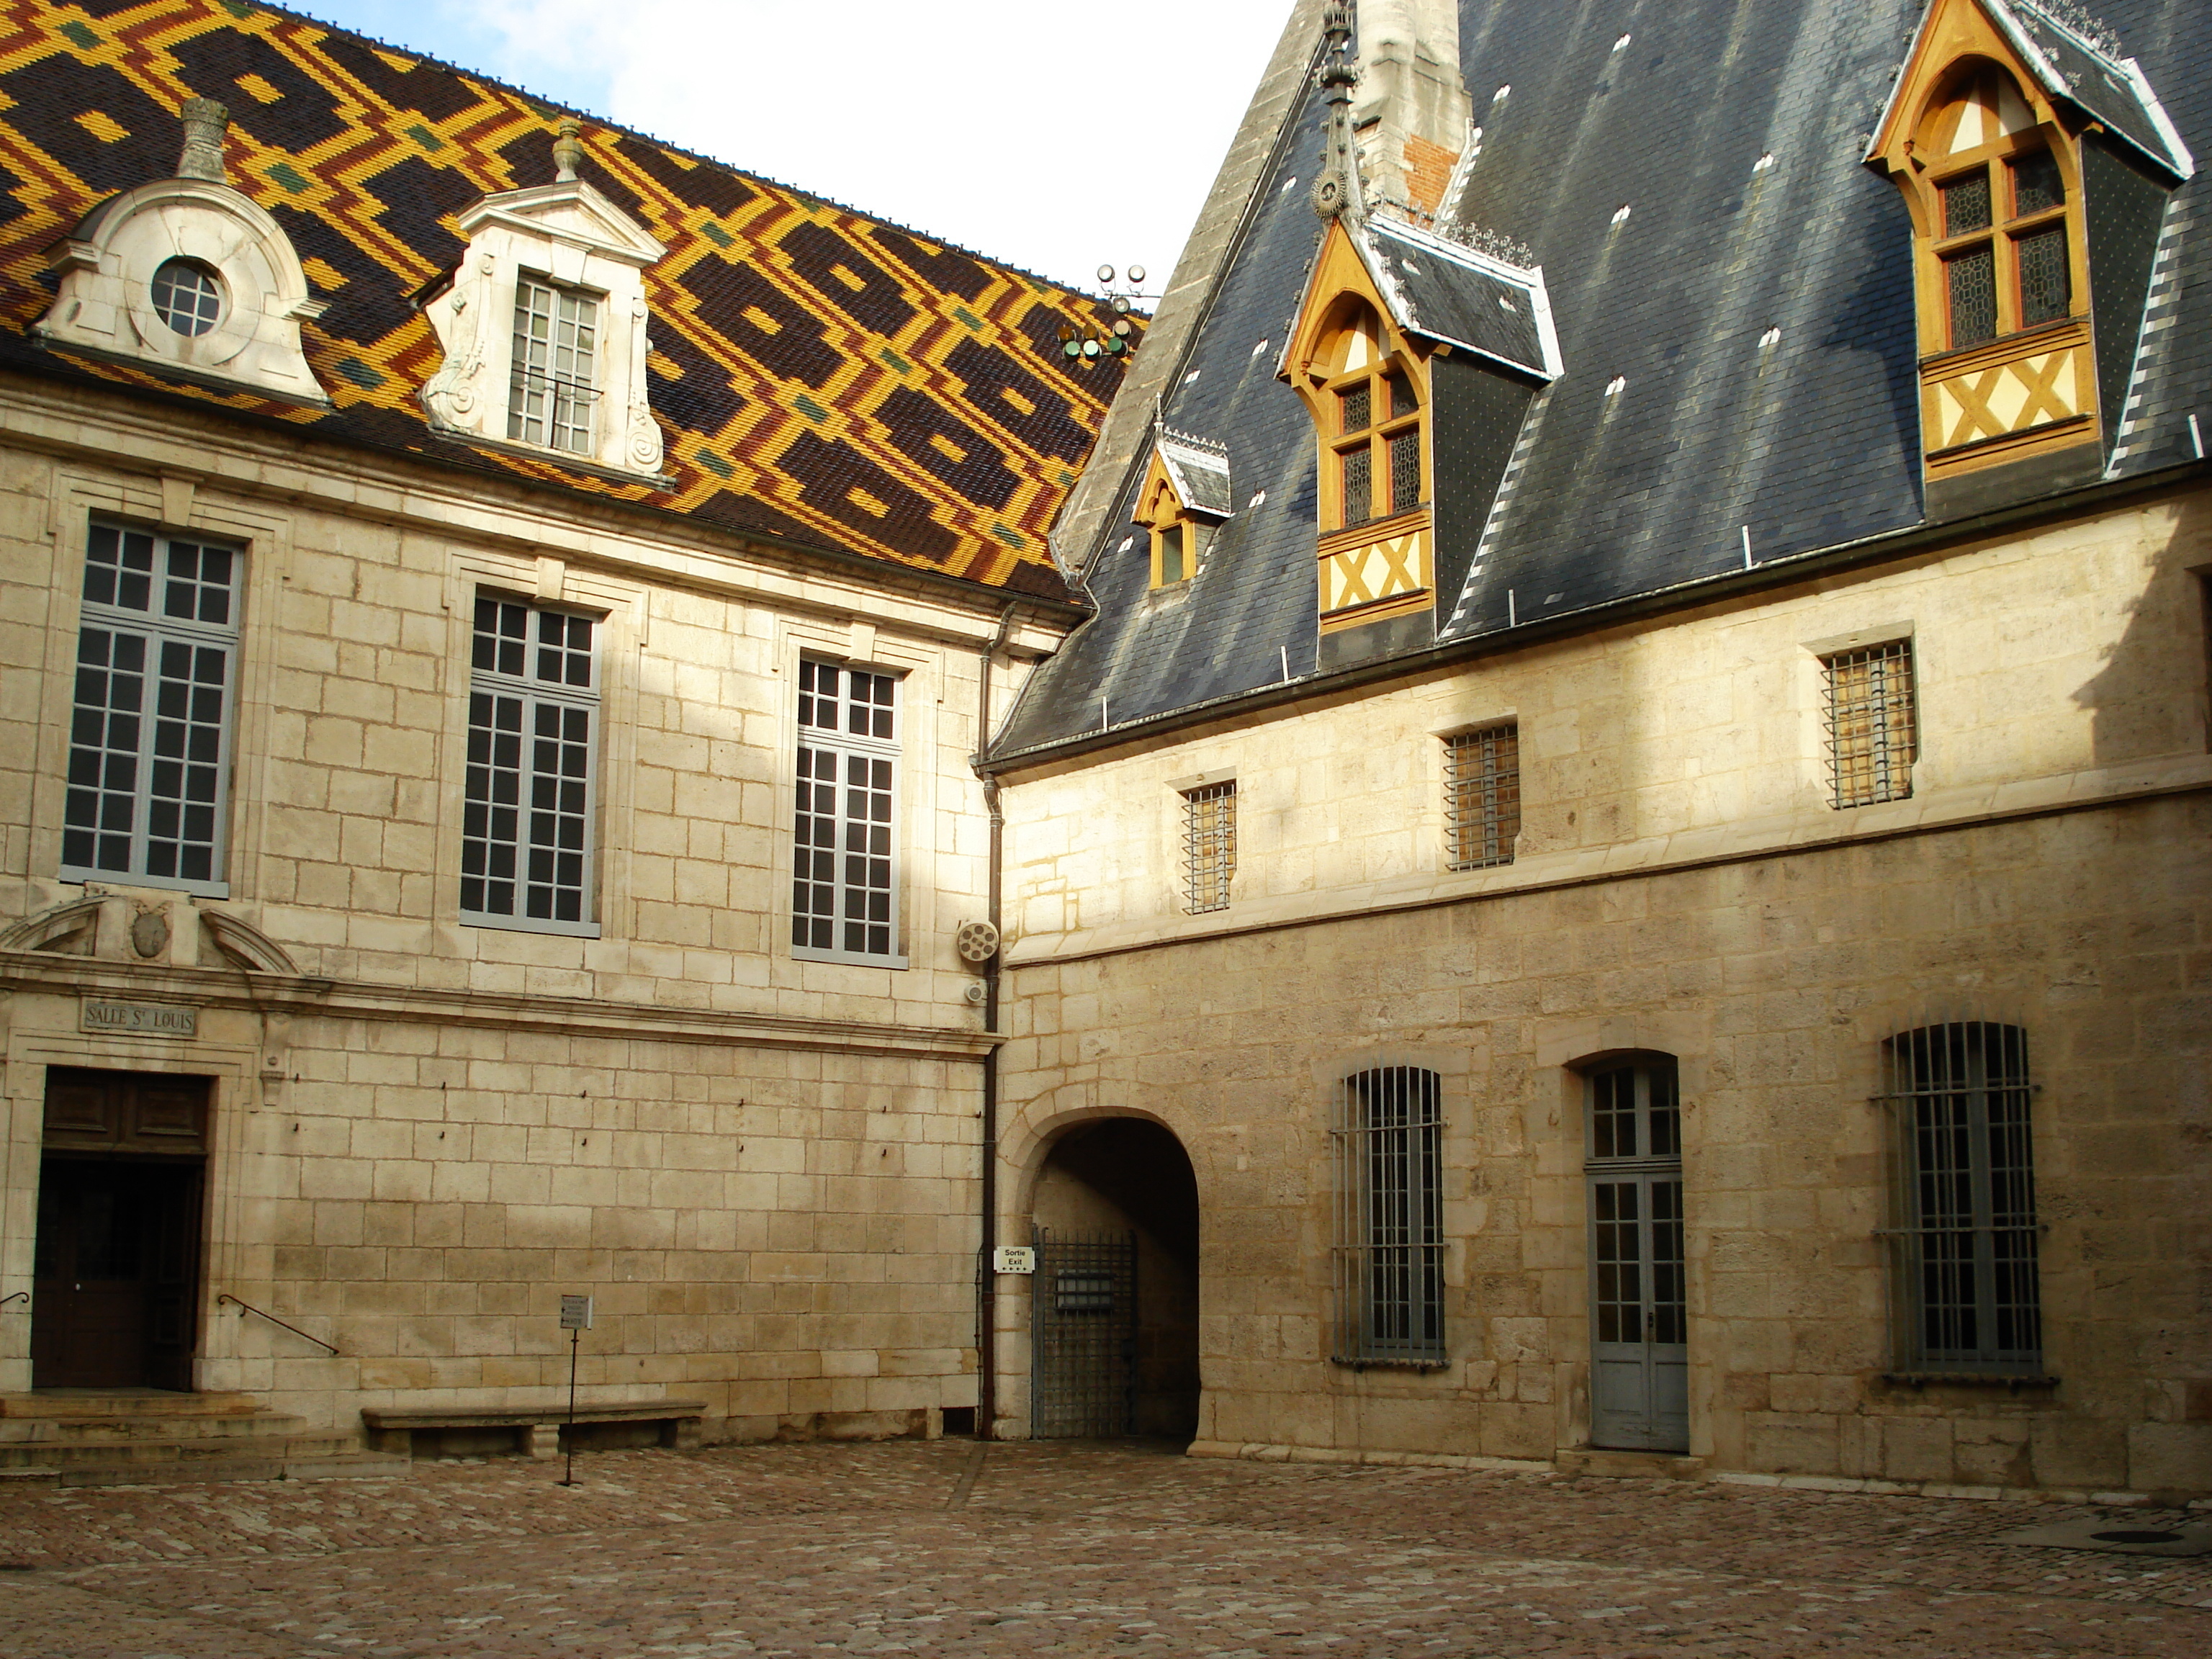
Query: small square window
(1872, 724)
(1482, 796)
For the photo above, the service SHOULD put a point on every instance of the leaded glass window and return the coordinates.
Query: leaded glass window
(149, 766)
(2045, 287)
(1973, 277)
(528, 820)
(844, 902)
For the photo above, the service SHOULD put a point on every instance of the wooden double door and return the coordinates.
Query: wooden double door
(115, 1290)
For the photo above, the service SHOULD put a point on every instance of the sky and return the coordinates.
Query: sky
(1053, 136)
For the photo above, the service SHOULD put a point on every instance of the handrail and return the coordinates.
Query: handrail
(19, 1296)
(249, 1308)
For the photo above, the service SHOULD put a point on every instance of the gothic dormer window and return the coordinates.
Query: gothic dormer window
(1184, 497)
(187, 276)
(2010, 124)
(544, 326)
(1373, 398)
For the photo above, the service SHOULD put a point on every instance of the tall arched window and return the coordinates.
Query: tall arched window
(1370, 407)
(1998, 245)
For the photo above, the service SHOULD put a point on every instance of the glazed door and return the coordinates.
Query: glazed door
(1640, 1352)
(1639, 1312)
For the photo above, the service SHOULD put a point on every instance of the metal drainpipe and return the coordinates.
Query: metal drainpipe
(987, 1302)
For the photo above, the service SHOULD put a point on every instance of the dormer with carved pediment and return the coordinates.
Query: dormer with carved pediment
(543, 327)
(187, 276)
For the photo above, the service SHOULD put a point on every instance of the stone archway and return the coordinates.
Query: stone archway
(1104, 1179)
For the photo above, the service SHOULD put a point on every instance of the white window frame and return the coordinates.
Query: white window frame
(158, 630)
(535, 693)
(845, 745)
(557, 425)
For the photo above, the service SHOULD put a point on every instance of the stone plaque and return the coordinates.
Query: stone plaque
(138, 1019)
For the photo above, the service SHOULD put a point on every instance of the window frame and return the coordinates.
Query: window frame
(533, 692)
(1911, 1083)
(846, 746)
(1209, 851)
(1413, 1265)
(1498, 820)
(1375, 439)
(560, 391)
(1889, 781)
(158, 630)
(1998, 162)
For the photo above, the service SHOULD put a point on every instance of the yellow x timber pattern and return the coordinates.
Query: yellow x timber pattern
(822, 377)
(1999, 400)
(1359, 582)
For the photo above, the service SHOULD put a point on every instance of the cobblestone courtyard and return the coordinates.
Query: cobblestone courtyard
(1055, 1549)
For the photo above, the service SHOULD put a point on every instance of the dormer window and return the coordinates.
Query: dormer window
(1184, 497)
(2005, 120)
(187, 276)
(1375, 450)
(550, 401)
(544, 326)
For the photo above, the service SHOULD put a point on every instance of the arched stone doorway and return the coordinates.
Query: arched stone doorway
(1114, 1315)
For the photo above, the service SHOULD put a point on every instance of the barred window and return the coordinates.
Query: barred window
(845, 834)
(1965, 1282)
(1390, 1245)
(1209, 846)
(150, 737)
(527, 829)
(1873, 725)
(552, 391)
(1482, 795)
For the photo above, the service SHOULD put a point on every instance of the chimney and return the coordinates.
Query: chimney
(205, 121)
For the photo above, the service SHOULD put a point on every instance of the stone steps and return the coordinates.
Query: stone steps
(143, 1438)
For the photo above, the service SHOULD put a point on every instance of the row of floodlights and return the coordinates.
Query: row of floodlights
(1118, 342)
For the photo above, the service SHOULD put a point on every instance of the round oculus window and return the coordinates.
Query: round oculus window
(187, 296)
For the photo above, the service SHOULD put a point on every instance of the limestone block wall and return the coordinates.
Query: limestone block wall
(1682, 887)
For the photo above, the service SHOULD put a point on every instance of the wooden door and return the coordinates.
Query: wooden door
(116, 1282)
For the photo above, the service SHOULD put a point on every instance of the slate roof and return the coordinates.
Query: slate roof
(823, 378)
(1758, 315)
(1199, 470)
(1463, 298)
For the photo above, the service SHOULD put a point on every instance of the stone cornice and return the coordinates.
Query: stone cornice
(55, 974)
(301, 467)
(1932, 812)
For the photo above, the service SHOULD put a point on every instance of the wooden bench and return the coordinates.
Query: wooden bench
(536, 1428)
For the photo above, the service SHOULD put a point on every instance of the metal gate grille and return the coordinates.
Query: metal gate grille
(1083, 1335)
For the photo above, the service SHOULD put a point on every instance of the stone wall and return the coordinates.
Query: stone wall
(1682, 886)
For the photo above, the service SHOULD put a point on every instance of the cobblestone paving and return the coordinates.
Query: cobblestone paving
(1055, 1549)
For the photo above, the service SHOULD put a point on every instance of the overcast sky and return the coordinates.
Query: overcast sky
(1055, 136)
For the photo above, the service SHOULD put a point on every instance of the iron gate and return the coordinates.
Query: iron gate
(1083, 1335)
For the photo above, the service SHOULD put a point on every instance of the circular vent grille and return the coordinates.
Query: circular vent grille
(976, 941)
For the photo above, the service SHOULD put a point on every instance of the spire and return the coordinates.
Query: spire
(567, 151)
(1337, 191)
(205, 121)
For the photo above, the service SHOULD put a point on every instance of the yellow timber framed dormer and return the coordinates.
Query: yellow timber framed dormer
(1991, 173)
(1365, 386)
(1176, 533)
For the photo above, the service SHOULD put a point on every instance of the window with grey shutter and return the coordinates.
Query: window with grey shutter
(527, 824)
(150, 737)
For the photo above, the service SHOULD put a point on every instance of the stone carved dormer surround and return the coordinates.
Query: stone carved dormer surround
(244, 334)
(569, 237)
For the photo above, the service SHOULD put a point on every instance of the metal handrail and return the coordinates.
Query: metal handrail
(249, 1308)
(19, 1296)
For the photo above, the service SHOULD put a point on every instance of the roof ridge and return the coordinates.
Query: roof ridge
(554, 106)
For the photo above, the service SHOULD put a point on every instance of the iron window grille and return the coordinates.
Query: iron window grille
(845, 825)
(1209, 846)
(149, 736)
(1963, 1241)
(1388, 1136)
(552, 391)
(1482, 796)
(529, 807)
(1872, 721)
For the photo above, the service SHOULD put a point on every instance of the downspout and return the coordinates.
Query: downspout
(986, 1297)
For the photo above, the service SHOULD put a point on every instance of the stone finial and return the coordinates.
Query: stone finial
(1336, 191)
(568, 150)
(204, 122)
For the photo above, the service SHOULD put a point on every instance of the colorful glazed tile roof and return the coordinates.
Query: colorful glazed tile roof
(823, 377)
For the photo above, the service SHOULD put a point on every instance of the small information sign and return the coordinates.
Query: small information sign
(576, 1313)
(1014, 1259)
(138, 1019)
